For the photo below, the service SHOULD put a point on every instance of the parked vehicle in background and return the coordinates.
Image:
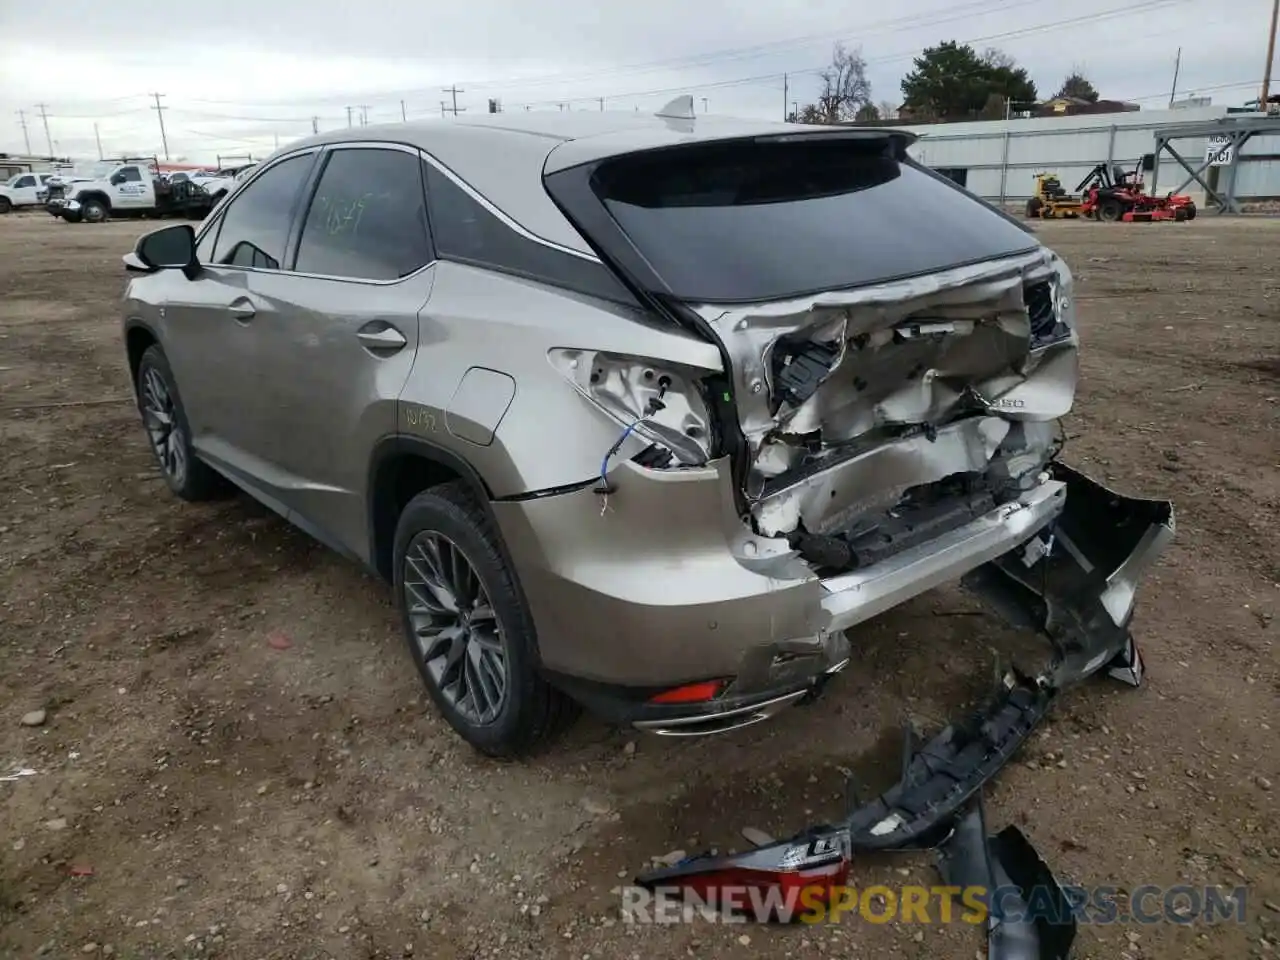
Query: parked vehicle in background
(130, 188)
(22, 190)
(219, 183)
(640, 413)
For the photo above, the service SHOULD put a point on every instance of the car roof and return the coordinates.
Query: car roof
(503, 156)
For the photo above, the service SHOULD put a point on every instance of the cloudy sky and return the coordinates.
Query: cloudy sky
(240, 76)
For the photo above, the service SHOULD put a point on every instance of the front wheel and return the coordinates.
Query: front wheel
(93, 211)
(168, 431)
(5, 205)
(469, 629)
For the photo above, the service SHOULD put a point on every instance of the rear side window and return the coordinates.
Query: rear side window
(368, 218)
(465, 230)
(761, 220)
(255, 226)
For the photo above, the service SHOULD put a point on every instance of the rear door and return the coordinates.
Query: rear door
(338, 333)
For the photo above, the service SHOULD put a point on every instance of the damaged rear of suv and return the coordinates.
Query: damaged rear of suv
(895, 360)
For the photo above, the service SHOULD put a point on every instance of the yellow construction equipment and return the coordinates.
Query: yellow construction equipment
(1050, 201)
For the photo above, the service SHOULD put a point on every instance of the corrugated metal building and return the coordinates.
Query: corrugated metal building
(998, 159)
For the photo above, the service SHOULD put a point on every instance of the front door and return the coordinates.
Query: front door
(131, 188)
(213, 324)
(340, 334)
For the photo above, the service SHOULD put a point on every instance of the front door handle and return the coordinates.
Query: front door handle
(242, 309)
(381, 337)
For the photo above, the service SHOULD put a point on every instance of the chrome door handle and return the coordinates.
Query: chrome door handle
(382, 337)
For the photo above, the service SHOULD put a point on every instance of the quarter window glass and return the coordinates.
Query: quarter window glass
(255, 226)
(368, 220)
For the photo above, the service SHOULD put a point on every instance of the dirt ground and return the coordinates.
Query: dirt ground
(201, 791)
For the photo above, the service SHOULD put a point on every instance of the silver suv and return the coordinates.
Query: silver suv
(637, 413)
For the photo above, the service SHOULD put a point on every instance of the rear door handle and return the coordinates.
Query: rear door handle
(381, 337)
(242, 309)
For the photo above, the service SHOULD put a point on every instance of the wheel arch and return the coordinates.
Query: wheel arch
(138, 337)
(94, 195)
(400, 468)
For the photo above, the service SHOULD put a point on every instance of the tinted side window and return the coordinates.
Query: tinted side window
(368, 219)
(26, 182)
(464, 230)
(255, 226)
(131, 175)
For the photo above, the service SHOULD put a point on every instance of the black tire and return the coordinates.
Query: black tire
(1110, 209)
(1191, 211)
(94, 211)
(530, 711)
(187, 476)
(1034, 206)
(5, 205)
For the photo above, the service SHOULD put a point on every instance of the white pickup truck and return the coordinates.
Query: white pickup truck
(21, 190)
(131, 188)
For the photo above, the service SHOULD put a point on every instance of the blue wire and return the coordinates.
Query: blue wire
(604, 464)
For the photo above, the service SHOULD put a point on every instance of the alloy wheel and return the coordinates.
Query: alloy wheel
(161, 420)
(455, 627)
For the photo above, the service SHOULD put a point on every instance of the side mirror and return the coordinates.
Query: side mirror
(166, 249)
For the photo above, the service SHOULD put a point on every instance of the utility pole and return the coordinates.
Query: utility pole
(315, 124)
(349, 116)
(785, 94)
(454, 91)
(164, 140)
(403, 118)
(364, 115)
(443, 108)
(26, 137)
(44, 115)
(602, 104)
(277, 142)
(1177, 63)
(704, 104)
(98, 139)
(1271, 55)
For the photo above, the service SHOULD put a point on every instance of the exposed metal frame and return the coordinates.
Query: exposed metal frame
(1237, 130)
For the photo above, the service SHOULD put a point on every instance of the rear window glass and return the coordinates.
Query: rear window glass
(762, 220)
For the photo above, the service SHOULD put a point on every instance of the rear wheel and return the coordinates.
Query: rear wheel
(1034, 207)
(1191, 211)
(5, 205)
(468, 627)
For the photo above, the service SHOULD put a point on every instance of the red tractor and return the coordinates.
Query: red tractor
(1120, 195)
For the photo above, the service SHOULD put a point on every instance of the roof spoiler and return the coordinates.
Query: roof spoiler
(681, 108)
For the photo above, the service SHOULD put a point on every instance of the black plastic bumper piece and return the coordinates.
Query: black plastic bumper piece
(1028, 914)
(948, 771)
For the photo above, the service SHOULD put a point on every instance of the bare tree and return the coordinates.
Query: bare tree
(888, 110)
(845, 89)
